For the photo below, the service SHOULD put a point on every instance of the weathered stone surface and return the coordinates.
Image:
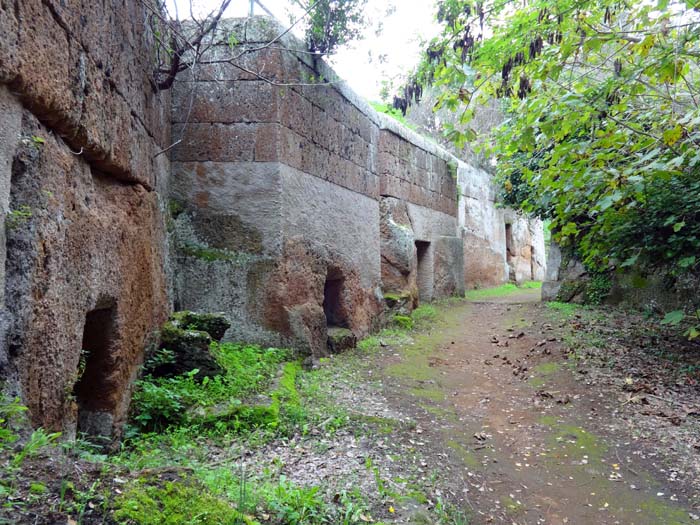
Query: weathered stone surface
(565, 277)
(297, 297)
(85, 74)
(340, 340)
(210, 190)
(413, 174)
(213, 324)
(213, 142)
(397, 249)
(420, 256)
(252, 101)
(342, 221)
(189, 347)
(448, 267)
(88, 254)
(484, 266)
(10, 126)
(551, 283)
(400, 304)
(86, 265)
(307, 328)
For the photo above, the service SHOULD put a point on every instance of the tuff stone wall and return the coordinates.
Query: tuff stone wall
(281, 199)
(305, 169)
(500, 245)
(85, 283)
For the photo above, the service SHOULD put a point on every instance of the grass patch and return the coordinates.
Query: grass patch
(424, 315)
(565, 310)
(546, 369)
(387, 337)
(403, 321)
(574, 442)
(500, 291)
(432, 394)
(394, 113)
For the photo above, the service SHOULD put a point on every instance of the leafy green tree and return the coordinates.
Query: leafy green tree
(332, 23)
(602, 127)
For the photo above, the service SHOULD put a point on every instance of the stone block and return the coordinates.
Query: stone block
(187, 350)
(340, 340)
(225, 102)
(214, 324)
(448, 267)
(84, 270)
(215, 142)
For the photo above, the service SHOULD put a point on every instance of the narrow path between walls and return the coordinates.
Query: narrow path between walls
(495, 409)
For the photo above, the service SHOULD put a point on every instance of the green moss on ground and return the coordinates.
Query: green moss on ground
(501, 291)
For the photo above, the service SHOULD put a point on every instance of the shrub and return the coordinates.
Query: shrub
(248, 369)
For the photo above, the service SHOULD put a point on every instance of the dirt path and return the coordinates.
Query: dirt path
(524, 441)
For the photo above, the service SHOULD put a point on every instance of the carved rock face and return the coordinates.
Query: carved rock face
(85, 282)
(309, 291)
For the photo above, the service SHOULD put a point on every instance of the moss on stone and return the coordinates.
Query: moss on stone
(154, 502)
(212, 323)
(572, 291)
(175, 208)
(340, 339)
(396, 297)
(189, 349)
(206, 254)
(172, 335)
(452, 169)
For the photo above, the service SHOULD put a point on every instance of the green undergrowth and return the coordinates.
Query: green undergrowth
(183, 459)
(563, 310)
(399, 332)
(230, 496)
(174, 503)
(501, 291)
(394, 113)
(165, 402)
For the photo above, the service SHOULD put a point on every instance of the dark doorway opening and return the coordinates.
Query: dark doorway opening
(333, 299)
(424, 271)
(510, 253)
(509, 240)
(95, 389)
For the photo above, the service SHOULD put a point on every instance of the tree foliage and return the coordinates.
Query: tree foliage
(602, 127)
(332, 23)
